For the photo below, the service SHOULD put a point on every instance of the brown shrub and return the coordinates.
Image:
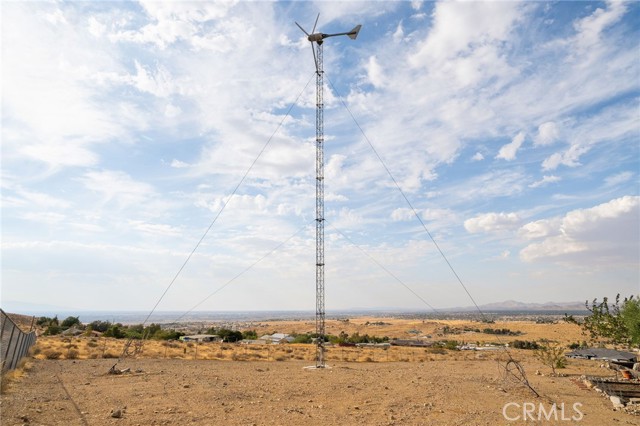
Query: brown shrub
(51, 354)
(72, 354)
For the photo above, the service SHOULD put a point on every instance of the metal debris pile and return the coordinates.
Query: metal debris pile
(623, 394)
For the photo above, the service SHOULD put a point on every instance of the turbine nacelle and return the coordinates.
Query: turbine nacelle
(318, 38)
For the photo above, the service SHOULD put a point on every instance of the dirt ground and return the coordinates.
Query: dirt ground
(210, 392)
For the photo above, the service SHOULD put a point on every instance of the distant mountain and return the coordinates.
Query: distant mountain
(513, 305)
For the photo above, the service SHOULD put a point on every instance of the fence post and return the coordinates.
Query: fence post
(15, 350)
(17, 345)
(6, 353)
(4, 324)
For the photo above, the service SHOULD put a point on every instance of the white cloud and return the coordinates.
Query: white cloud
(492, 222)
(548, 133)
(539, 229)
(590, 28)
(618, 178)
(155, 228)
(546, 179)
(508, 152)
(118, 187)
(90, 90)
(40, 199)
(459, 25)
(398, 35)
(158, 82)
(603, 235)
(375, 72)
(50, 218)
(402, 214)
(179, 164)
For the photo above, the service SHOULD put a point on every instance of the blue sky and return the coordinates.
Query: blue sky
(513, 129)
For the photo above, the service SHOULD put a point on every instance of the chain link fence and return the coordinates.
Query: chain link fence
(15, 342)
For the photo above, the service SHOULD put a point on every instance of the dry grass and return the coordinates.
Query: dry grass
(11, 377)
(81, 347)
(401, 328)
(53, 347)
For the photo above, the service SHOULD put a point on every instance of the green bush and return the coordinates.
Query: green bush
(524, 344)
(70, 322)
(249, 335)
(52, 330)
(451, 345)
(302, 338)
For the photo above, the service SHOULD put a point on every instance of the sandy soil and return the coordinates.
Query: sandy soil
(208, 392)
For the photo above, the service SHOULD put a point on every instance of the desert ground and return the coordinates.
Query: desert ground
(175, 383)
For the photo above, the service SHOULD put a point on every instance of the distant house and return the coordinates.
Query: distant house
(603, 354)
(72, 331)
(409, 342)
(277, 338)
(201, 338)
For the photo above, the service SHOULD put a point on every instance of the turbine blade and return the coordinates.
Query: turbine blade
(302, 29)
(314, 25)
(354, 32)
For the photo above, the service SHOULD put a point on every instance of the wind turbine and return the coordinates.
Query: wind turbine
(318, 39)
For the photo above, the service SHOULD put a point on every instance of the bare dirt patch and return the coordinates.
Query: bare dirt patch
(207, 392)
(177, 383)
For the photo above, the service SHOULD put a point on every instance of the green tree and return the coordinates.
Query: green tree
(613, 323)
(302, 338)
(250, 334)
(100, 326)
(70, 322)
(115, 331)
(630, 314)
(52, 330)
(230, 335)
(44, 321)
(135, 331)
(153, 331)
(168, 335)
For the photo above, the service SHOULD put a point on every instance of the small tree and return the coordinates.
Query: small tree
(630, 314)
(70, 322)
(52, 330)
(115, 331)
(250, 334)
(551, 355)
(613, 323)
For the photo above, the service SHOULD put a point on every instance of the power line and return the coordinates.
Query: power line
(424, 226)
(406, 199)
(374, 260)
(215, 219)
(247, 269)
(224, 205)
